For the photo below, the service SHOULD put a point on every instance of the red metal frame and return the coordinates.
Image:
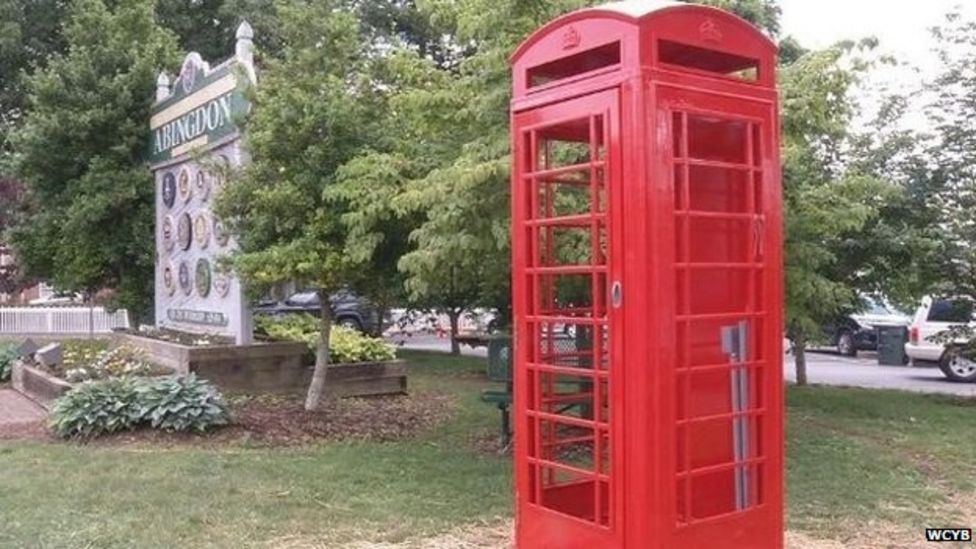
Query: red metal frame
(647, 268)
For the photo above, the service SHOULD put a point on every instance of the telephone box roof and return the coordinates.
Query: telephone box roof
(637, 8)
(636, 11)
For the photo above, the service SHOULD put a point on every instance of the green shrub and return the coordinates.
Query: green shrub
(117, 404)
(295, 327)
(346, 345)
(96, 408)
(181, 404)
(8, 354)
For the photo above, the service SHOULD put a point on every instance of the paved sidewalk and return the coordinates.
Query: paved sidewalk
(17, 410)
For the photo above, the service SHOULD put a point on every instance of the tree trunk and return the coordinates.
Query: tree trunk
(455, 345)
(382, 310)
(317, 388)
(800, 356)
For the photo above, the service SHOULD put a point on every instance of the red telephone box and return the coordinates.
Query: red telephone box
(647, 273)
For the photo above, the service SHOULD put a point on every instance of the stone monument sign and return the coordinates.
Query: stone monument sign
(194, 138)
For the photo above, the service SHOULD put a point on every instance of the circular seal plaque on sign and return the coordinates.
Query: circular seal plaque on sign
(169, 189)
(185, 282)
(201, 229)
(184, 232)
(169, 282)
(203, 277)
(188, 72)
(220, 233)
(183, 185)
(221, 284)
(203, 185)
(168, 236)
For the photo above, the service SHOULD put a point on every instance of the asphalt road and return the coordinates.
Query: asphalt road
(822, 368)
(864, 371)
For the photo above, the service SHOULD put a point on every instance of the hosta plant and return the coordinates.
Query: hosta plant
(97, 408)
(182, 404)
(8, 354)
(116, 404)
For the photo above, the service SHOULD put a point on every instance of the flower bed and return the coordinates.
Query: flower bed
(83, 360)
(261, 366)
(90, 360)
(360, 365)
(279, 363)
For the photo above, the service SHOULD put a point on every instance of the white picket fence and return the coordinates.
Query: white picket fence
(60, 320)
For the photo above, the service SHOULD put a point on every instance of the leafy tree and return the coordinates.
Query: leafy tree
(208, 26)
(765, 14)
(30, 31)
(79, 152)
(900, 252)
(944, 175)
(403, 23)
(451, 149)
(952, 165)
(846, 234)
(316, 108)
(10, 202)
(450, 145)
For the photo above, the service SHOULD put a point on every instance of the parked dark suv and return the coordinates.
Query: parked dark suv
(858, 331)
(348, 309)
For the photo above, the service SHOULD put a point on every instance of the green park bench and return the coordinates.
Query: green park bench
(500, 370)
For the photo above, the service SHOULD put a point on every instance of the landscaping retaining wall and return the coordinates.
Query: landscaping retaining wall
(38, 385)
(264, 367)
(367, 379)
(268, 367)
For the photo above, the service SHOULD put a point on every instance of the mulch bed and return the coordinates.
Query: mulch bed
(274, 421)
(381, 419)
(281, 420)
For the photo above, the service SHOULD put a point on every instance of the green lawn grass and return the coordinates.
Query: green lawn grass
(854, 455)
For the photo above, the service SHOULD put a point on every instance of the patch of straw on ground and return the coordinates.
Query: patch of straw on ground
(498, 536)
(494, 535)
(873, 534)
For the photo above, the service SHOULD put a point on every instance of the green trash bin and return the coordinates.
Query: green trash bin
(891, 345)
(500, 358)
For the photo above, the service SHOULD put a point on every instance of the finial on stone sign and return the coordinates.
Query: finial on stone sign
(162, 86)
(244, 31)
(244, 50)
(245, 43)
